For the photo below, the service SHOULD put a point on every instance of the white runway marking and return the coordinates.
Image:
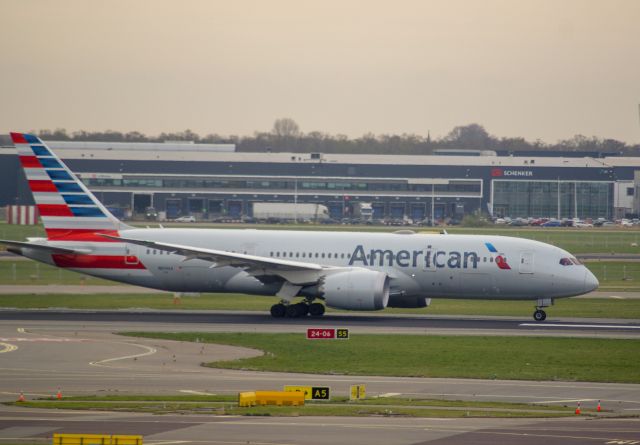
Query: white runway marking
(45, 339)
(566, 401)
(594, 326)
(197, 393)
(171, 442)
(149, 351)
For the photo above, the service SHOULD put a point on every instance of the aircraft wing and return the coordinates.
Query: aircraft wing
(295, 272)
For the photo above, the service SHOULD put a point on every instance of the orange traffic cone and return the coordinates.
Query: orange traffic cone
(598, 409)
(578, 409)
(21, 397)
(59, 394)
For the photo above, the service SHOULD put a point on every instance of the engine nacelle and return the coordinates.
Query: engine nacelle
(357, 289)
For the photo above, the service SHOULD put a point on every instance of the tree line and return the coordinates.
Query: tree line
(286, 136)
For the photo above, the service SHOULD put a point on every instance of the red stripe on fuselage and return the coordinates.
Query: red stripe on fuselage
(54, 210)
(30, 162)
(97, 261)
(42, 185)
(89, 235)
(18, 138)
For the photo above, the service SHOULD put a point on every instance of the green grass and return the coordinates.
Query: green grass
(597, 240)
(338, 406)
(18, 232)
(511, 358)
(32, 272)
(571, 307)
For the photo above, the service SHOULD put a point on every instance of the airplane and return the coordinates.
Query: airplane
(345, 270)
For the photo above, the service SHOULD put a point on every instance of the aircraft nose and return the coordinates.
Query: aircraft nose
(590, 281)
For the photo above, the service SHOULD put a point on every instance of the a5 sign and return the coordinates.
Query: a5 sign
(327, 334)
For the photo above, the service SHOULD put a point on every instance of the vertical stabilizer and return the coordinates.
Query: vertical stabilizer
(69, 211)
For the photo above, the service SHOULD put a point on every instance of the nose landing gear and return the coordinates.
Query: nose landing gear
(540, 314)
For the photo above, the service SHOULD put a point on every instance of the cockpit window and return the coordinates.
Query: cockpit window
(566, 262)
(576, 261)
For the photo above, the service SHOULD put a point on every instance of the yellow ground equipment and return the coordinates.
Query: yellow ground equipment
(95, 439)
(278, 398)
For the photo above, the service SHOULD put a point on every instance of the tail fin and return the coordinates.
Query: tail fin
(69, 211)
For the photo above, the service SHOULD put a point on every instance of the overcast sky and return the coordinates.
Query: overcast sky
(542, 69)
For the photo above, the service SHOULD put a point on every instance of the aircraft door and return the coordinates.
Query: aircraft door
(526, 262)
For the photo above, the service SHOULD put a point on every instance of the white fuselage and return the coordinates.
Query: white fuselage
(421, 265)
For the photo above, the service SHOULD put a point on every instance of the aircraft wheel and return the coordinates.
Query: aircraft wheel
(539, 315)
(294, 311)
(278, 310)
(303, 309)
(316, 309)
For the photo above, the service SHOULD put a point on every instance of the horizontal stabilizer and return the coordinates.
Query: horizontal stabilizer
(44, 247)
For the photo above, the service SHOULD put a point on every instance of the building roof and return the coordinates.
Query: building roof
(180, 151)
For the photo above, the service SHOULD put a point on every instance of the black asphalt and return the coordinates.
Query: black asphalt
(329, 320)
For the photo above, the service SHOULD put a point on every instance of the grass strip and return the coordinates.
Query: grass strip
(479, 357)
(566, 307)
(597, 240)
(339, 406)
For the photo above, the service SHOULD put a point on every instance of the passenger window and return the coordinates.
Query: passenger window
(322, 254)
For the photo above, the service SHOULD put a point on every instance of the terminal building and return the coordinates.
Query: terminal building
(210, 181)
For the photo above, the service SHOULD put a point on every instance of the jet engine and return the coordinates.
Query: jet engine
(357, 289)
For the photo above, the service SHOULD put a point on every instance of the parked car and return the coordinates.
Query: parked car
(552, 223)
(186, 219)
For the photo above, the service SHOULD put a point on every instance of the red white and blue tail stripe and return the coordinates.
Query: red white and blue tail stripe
(68, 210)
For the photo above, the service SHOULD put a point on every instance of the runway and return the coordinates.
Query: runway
(378, 323)
(41, 351)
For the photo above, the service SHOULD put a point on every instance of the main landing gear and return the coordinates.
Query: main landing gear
(540, 314)
(297, 310)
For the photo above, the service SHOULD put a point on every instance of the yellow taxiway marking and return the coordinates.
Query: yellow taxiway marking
(7, 347)
(21, 330)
